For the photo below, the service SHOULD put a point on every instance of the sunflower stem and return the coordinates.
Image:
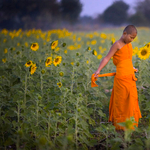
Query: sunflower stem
(37, 112)
(42, 85)
(49, 126)
(140, 79)
(25, 90)
(72, 79)
(76, 124)
(18, 116)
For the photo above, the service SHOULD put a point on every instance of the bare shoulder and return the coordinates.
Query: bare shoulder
(112, 50)
(116, 45)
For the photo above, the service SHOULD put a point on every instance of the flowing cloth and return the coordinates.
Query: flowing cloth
(124, 98)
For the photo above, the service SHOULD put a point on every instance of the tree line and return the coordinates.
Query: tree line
(38, 13)
(49, 14)
(118, 14)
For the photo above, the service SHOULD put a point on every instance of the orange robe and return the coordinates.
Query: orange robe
(124, 98)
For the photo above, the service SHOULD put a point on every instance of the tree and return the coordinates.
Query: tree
(138, 19)
(28, 13)
(143, 7)
(70, 10)
(116, 14)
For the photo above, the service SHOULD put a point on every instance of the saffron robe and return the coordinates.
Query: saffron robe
(124, 98)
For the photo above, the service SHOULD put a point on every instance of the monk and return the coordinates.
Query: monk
(124, 98)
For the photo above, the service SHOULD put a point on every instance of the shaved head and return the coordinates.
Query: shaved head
(130, 29)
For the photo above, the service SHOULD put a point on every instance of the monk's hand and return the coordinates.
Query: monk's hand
(96, 74)
(136, 70)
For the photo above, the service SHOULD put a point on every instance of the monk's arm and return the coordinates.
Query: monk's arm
(106, 59)
(103, 63)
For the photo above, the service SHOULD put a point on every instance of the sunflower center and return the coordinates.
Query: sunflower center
(56, 60)
(143, 52)
(29, 63)
(48, 61)
(33, 45)
(53, 44)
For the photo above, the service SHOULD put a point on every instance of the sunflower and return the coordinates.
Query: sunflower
(102, 41)
(135, 51)
(103, 36)
(54, 44)
(4, 60)
(61, 73)
(59, 84)
(144, 53)
(57, 60)
(72, 63)
(89, 48)
(128, 124)
(18, 44)
(35, 46)
(4, 40)
(28, 63)
(5, 50)
(88, 43)
(93, 42)
(48, 61)
(113, 40)
(100, 47)
(65, 51)
(26, 44)
(99, 56)
(33, 69)
(94, 52)
(148, 45)
(57, 49)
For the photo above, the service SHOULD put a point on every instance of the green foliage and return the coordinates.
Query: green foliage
(40, 14)
(71, 9)
(144, 9)
(116, 14)
(35, 113)
(138, 19)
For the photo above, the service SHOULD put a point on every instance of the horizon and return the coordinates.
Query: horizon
(99, 6)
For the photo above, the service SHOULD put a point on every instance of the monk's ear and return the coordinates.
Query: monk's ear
(124, 33)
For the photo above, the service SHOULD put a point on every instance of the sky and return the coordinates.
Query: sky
(94, 7)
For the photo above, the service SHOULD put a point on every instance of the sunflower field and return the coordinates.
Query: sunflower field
(46, 99)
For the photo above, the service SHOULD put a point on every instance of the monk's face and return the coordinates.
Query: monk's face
(128, 38)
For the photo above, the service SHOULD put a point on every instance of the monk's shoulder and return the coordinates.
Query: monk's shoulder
(116, 45)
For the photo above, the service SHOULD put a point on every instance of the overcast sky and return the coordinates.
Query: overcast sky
(94, 7)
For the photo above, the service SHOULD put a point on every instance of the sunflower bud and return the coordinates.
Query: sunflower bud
(89, 48)
(43, 71)
(77, 54)
(59, 114)
(79, 109)
(39, 97)
(61, 73)
(64, 44)
(18, 53)
(77, 64)
(80, 94)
